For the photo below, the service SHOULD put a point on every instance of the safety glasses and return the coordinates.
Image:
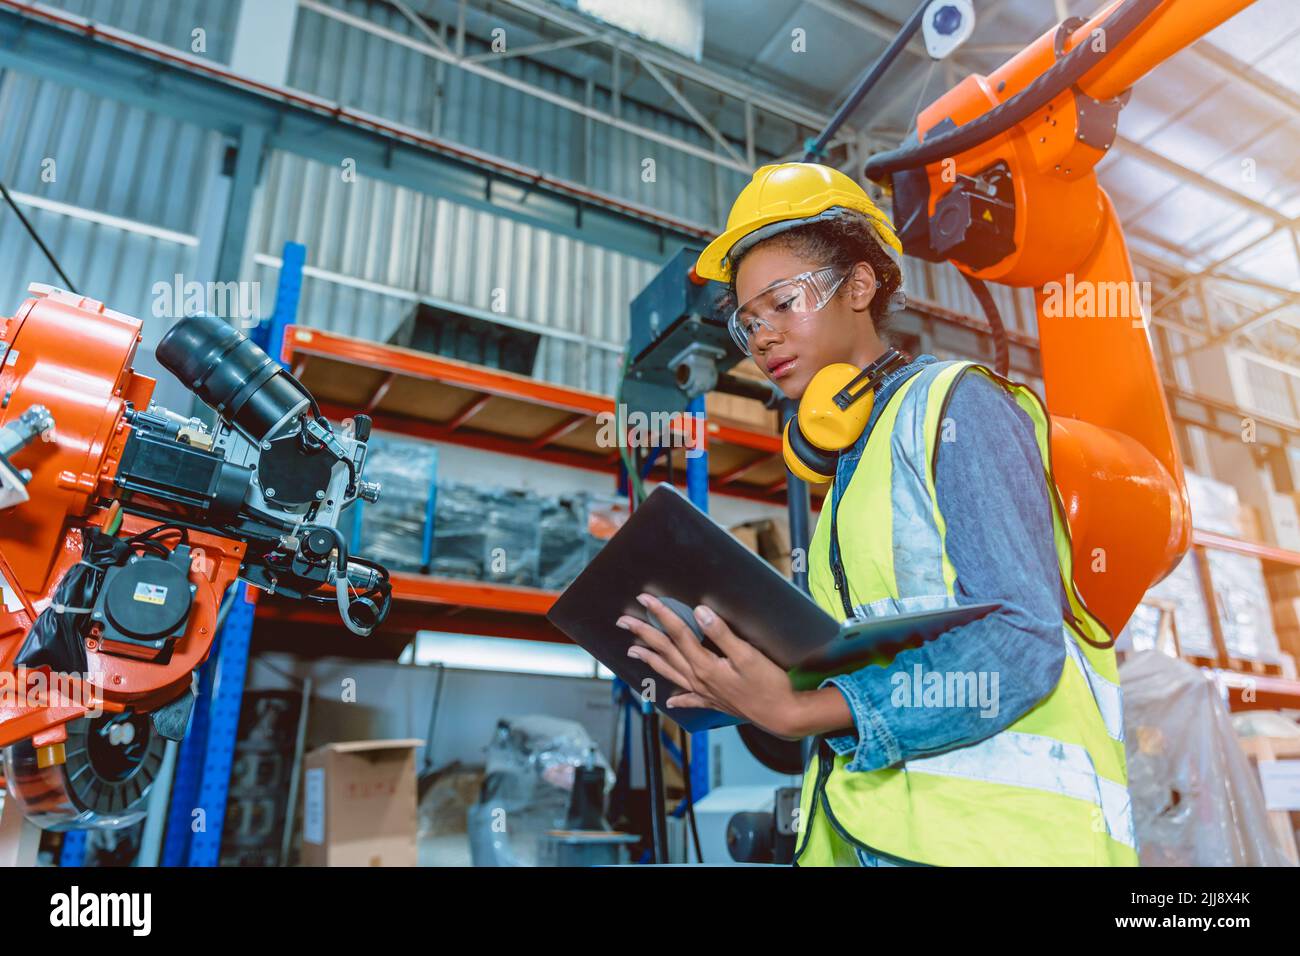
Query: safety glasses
(782, 305)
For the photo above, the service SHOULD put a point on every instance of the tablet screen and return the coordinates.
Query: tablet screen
(668, 547)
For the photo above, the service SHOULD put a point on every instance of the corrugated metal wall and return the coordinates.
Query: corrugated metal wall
(171, 22)
(340, 62)
(942, 284)
(375, 249)
(380, 248)
(68, 147)
(106, 156)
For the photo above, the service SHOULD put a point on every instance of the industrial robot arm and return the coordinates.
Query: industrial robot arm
(124, 528)
(1000, 181)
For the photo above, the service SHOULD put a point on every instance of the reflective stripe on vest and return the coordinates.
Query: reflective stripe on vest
(1041, 763)
(1069, 747)
(1105, 693)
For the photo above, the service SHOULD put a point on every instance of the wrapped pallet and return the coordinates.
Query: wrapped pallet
(1244, 608)
(573, 530)
(1196, 799)
(489, 534)
(392, 529)
(1215, 505)
(1241, 595)
(1181, 593)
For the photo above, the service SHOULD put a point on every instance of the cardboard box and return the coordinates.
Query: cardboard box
(1283, 582)
(736, 410)
(743, 411)
(1281, 522)
(1286, 614)
(747, 535)
(769, 539)
(1248, 520)
(359, 804)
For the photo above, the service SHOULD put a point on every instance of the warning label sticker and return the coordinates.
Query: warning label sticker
(150, 593)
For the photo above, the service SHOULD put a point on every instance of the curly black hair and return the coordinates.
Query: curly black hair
(841, 242)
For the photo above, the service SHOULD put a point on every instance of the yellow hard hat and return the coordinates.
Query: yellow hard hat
(791, 194)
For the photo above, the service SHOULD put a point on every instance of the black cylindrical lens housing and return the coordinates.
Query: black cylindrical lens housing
(229, 372)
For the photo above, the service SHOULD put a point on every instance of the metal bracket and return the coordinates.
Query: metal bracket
(1097, 120)
(695, 368)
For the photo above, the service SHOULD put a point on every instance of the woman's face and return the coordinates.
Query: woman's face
(841, 331)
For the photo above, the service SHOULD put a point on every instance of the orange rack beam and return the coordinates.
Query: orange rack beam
(427, 396)
(1255, 549)
(427, 603)
(1267, 691)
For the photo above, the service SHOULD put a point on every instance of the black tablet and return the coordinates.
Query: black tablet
(669, 548)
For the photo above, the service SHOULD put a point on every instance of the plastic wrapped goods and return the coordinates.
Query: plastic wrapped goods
(1215, 506)
(527, 786)
(1265, 723)
(1196, 798)
(562, 548)
(574, 529)
(1182, 590)
(393, 528)
(1243, 601)
(604, 517)
(488, 534)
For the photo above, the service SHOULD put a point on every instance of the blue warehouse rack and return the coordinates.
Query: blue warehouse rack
(202, 781)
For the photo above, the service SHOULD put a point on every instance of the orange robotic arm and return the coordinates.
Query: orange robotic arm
(1002, 184)
(124, 526)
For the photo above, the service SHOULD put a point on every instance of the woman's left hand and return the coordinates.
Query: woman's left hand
(743, 682)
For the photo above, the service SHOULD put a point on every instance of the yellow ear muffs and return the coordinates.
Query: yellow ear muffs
(824, 423)
(804, 459)
(824, 427)
(813, 439)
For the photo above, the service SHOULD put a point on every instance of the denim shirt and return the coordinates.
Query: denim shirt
(992, 492)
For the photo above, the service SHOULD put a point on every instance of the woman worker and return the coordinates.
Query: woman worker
(1011, 749)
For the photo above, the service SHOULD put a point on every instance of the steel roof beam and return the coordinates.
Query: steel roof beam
(1202, 182)
(742, 89)
(1242, 72)
(477, 68)
(688, 107)
(56, 46)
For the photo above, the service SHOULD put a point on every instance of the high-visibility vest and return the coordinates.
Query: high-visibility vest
(1050, 789)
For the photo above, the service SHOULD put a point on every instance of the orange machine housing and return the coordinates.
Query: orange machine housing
(74, 356)
(1115, 458)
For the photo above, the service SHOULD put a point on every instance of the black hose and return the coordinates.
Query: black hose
(1001, 347)
(654, 781)
(31, 231)
(1065, 73)
(150, 533)
(684, 742)
(868, 81)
